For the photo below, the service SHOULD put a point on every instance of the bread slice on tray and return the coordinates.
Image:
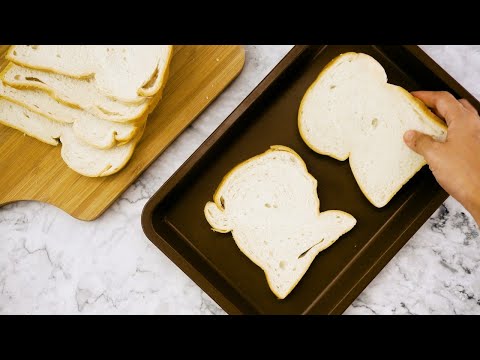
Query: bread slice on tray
(270, 205)
(78, 93)
(350, 111)
(79, 156)
(126, 73)
(97, 132)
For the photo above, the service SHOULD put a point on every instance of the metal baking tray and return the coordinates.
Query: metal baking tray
(173, 218)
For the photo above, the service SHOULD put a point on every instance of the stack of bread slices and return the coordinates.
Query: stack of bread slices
(93, 99)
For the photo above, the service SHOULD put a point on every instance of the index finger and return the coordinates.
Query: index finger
(443, 103)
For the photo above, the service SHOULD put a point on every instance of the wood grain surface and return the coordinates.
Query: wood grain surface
(32, 170)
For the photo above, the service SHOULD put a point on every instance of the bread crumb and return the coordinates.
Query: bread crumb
(218, 59)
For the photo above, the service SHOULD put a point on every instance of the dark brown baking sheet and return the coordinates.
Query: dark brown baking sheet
(173, 219)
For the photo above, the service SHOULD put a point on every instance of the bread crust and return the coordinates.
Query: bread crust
(160, 81)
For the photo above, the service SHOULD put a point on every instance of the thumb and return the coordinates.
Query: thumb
(422, 144)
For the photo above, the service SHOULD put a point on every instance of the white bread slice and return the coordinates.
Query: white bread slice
(30, 123)
(270, 205)
(126, 73)
(100, 133)
(73, 92)
(350, 111)
(90, 161)
(79, 156)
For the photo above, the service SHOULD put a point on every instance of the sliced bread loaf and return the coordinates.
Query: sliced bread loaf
(79, 156)
(350, 111)
(76, 93)
(98, 132)
(270, 205)
(125, 73)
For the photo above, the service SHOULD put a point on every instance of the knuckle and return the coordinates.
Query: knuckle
(448, 105)
(429, 145)
(445, 95)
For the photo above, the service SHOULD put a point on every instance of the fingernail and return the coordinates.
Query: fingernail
(409, 135)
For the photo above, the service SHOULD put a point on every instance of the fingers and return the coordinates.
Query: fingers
(466, 104)
(422, 144)
(443, 103)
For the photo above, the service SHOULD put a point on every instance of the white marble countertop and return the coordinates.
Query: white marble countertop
(51, 263)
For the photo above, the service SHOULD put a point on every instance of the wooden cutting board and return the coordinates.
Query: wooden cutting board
(32, 170)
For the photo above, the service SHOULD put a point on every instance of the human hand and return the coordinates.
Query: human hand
(456, 162)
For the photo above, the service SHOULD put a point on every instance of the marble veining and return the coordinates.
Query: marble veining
(51, 263)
